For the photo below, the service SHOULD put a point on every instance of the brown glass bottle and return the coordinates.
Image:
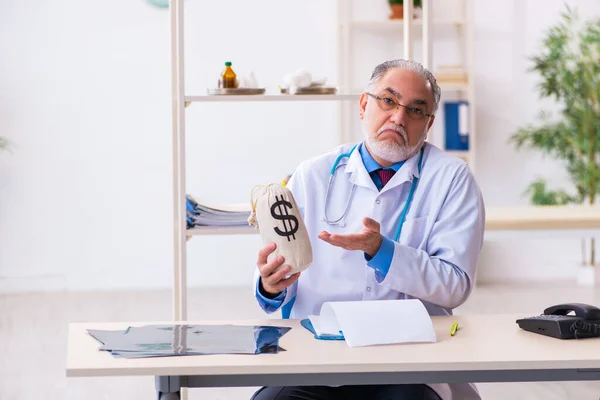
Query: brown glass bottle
(228, 77)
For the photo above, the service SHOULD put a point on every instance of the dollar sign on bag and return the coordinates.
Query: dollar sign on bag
(279, 210)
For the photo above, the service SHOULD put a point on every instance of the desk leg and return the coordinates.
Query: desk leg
(168, 387)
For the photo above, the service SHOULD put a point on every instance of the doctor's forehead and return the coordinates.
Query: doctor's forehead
(406, 84)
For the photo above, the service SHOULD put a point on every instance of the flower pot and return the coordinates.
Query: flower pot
(397, 11)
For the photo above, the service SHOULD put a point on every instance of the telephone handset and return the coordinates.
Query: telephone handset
(557, 321)
(587, 312)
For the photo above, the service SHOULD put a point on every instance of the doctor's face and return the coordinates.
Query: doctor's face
(395, 116)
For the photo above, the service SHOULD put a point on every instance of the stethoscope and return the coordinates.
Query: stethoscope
(286, 310)
(339, 222)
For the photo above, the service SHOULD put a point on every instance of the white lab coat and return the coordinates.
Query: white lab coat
(438, 248)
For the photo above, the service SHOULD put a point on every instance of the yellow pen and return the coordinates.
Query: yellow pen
(454, 328)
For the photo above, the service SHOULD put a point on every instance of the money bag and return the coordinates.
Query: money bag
(276, 216)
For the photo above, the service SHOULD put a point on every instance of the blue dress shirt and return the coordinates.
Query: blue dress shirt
(383, 258)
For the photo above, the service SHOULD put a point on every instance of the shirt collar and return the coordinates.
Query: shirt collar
(370, 163)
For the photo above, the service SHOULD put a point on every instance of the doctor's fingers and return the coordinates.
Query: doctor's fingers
(272, 278)
(352, 241)
(282, 284)
(269, 268)
(264, 253)
(371, 224)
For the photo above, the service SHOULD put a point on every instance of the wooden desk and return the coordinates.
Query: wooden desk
(487, 348)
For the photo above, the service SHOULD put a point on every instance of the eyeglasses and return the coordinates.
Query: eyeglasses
(388, 104)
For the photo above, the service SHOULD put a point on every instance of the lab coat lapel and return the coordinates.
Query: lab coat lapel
(358, 173)
(407, 172)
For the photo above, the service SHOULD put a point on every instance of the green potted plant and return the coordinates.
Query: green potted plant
(3, 144)
(569, 67)
(397, 7)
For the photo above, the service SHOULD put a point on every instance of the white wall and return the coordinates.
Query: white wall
(86, 195)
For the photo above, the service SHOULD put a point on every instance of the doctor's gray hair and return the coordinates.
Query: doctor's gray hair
(382, 68)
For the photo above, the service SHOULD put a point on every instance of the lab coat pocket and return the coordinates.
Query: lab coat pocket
(414, 232)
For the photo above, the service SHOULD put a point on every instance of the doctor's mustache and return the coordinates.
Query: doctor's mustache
(394, 127)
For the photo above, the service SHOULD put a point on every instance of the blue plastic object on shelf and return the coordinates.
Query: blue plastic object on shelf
(456, 116)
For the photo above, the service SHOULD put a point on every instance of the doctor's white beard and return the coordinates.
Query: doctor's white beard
(392, 151)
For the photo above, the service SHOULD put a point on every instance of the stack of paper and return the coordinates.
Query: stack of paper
(364, 323)
(186, 340)
(201, 214)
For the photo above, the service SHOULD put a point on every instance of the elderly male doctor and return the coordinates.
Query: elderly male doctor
(373, 251)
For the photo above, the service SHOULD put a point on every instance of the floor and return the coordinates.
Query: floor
(33, 338)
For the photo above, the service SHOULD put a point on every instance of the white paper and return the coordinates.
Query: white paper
(324, 326)
(366, 323)
(463, 119)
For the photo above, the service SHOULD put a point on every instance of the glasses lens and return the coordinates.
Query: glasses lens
(414, 114)
(386, 103)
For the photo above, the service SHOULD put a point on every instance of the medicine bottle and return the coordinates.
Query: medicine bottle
(228, 77)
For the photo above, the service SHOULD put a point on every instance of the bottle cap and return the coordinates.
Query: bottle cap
(228, 63)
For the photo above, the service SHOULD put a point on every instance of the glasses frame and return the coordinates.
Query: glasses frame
(398, 105)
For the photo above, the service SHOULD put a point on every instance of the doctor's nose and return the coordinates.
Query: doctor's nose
(399, 116)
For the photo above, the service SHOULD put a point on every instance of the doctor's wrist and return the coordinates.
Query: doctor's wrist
(267, 293)
(373, 247)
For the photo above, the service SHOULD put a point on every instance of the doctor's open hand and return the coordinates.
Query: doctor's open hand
(368, 240)
(274, 281)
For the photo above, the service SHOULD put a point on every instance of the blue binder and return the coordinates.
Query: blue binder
(456, 115)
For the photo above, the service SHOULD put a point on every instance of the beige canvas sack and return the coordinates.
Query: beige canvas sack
(276, 216)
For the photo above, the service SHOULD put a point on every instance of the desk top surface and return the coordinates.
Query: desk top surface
(483, 342)
(543, 217)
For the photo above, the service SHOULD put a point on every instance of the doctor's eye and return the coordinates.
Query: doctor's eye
(416, 111)
(388, 101)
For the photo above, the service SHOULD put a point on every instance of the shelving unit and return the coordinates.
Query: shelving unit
(398, 24)
(219, 230)
(180, 102)
(347, 96)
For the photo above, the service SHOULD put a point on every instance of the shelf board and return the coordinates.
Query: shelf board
(399, 23)
(459, 153)
(354, 95)
(273, 97)
(221, 230)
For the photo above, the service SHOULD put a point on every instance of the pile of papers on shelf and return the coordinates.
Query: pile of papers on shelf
(187, 340)
(198, 214)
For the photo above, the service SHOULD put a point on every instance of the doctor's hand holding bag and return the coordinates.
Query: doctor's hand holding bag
(276, 215)
(390, 217)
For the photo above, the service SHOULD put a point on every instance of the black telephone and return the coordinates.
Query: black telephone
(558, 323)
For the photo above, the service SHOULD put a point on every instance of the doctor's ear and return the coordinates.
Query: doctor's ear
(430, 122)
(363, 105)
